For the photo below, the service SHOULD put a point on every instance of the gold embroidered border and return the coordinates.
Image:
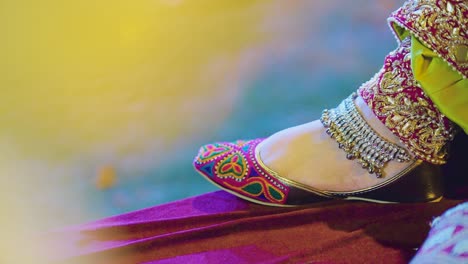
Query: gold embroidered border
(400, 103)
(441, 25)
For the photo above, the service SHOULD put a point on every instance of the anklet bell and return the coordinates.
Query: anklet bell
(360, 142)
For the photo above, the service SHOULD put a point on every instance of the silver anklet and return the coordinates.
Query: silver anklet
(346, 125)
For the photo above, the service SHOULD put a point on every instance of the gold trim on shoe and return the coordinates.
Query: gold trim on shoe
(347, 195)
(245, 197)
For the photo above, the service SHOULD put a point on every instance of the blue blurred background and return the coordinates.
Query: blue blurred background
(106, 103)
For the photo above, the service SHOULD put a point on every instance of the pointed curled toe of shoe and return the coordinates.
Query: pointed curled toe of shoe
(236, 167)
(233, 167)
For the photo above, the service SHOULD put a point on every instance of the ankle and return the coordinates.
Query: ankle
(375, 123)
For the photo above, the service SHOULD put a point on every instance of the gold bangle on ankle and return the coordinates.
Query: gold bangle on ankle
(347, 126)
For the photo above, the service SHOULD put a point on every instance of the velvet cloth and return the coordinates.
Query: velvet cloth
(221, 228)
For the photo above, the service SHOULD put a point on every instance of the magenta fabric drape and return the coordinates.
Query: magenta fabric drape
(220, 228)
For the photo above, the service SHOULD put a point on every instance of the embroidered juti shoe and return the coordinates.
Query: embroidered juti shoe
(395, 97)
(237, 168)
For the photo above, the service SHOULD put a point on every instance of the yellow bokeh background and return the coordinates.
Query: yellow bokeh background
(101, 81)
(77, 75)
(91, 89)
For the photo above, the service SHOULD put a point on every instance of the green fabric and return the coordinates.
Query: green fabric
(445, 86)
(400, 32)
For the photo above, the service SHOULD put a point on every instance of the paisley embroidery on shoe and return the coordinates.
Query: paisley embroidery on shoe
(233, 166)
(211, 151)
(254, 188)
(275, 193)
(260, 189)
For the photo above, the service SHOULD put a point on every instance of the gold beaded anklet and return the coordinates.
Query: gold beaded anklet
(346, 125)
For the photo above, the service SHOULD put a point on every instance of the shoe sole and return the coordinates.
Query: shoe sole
(245, 197)
(349, 198)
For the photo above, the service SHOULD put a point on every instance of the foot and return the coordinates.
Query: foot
(308, 155)
(303, 165)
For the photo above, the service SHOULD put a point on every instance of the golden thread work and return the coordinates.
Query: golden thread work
(399, 102)
(441, 25)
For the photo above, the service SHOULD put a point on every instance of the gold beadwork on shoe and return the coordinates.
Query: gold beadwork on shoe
(398, 100)
(346, 125)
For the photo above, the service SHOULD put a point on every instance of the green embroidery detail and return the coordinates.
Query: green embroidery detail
(234, 165)
(253, 188)
(211, 151)
(274, 193)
